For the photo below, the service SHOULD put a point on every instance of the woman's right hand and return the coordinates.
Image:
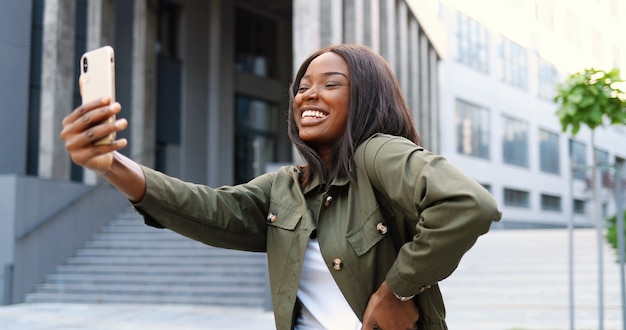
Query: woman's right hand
(86, 125)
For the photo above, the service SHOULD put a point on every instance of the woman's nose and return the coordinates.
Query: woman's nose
(310, 94)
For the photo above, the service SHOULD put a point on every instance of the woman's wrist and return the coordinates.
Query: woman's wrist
(127, 176)
(397, 296)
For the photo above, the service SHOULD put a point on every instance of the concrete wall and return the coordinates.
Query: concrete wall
(15, 36)
(7, 234)
(45, 221)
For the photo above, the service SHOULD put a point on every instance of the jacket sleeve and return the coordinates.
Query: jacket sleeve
(228, 217)
(450, 210)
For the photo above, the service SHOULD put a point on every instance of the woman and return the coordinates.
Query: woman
(359, 236)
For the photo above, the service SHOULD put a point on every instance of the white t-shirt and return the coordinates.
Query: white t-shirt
(323, 304)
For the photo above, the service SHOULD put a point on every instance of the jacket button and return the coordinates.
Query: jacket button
(272, 217)
(337, 264)
(328, 200)
(382, 229)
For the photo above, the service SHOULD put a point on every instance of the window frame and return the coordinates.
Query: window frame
(551, 150)
(513, 154)
(516, 198)
(472, 43)
(479, 122)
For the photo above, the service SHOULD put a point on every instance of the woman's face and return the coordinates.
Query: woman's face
(322, 103)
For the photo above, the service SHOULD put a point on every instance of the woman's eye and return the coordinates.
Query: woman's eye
(302, 89)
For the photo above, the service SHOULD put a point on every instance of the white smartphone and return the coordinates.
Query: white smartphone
(97, 79)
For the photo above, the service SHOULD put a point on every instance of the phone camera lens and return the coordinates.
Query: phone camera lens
(85, 65)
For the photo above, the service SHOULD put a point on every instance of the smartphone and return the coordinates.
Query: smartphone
(97, 79)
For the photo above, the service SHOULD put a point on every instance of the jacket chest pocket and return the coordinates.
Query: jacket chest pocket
(285, 224)
(368, 234)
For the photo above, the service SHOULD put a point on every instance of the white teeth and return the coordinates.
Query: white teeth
(313, 114)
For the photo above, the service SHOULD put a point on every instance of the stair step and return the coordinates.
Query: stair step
(157, 244)
(135, 233)
(155, 270)
(156, 289)
(138, 228)
(129, 262)
(207, 279)
(226, 300)
(200, 252)
(166, 260)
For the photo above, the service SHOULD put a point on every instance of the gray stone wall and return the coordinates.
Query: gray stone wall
(15, 36)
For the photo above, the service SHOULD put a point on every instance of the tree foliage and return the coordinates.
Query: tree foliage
(611, 231)
(592, 98)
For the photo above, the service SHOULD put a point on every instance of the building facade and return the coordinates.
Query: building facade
(498, 84)
(203, 84)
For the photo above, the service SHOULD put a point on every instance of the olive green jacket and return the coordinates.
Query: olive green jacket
(407, 217)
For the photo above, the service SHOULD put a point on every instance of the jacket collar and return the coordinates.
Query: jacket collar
(316, 182)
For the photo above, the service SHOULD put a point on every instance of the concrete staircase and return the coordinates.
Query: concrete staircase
(129, 262)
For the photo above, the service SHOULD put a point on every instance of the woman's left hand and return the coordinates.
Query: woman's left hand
(386, 312)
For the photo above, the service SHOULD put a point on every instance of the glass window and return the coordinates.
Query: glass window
(255, 43)
(515, 142)
(549, 155)
(578, 159)
(602, 162)
(579, 206)
(547, 77)
(255, 137)
(514, 63)
(472, 129)
(602, 157)
(550, 202)
(167, 30)
(472, 43)
(517, 198)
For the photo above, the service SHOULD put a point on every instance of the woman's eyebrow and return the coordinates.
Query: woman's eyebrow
(331, 73)
(335, 73)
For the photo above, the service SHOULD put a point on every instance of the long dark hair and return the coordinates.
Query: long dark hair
(376, 106)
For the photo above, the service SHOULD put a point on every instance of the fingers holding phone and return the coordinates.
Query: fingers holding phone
(88, 124)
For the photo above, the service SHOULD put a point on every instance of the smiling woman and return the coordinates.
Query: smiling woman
(358, 236)
(360, 82)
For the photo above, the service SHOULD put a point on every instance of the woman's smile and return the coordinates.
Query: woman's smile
(312, 116)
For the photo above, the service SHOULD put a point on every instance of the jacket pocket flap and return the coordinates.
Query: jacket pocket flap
(365, 237)
(283, 217)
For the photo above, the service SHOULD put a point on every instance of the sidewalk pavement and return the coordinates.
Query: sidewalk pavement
(510, 280)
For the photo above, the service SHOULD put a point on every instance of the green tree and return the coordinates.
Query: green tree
(593, 98)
